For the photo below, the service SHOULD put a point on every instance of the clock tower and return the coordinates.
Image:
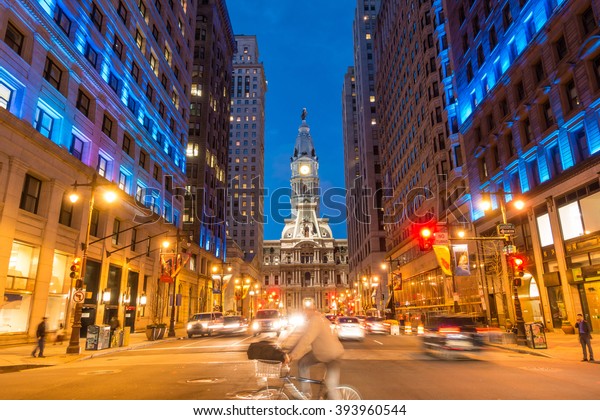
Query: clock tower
(307, 262)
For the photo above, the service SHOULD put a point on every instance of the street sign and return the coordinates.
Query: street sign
(78, 296)
(440, 238)
(506, 229)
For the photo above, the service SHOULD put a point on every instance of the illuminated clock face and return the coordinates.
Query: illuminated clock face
(305, 169)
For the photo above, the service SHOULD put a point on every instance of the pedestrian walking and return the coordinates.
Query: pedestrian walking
(40, 334)
(585, 337)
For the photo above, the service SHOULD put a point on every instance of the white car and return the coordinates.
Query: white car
(349, 328)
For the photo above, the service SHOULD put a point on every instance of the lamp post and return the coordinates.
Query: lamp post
(219, 274)
(391, 280)
(73, 347)
(176, 265)
(520, 323)
(251, 292)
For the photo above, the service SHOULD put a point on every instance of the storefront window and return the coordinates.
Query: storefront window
(570, 221)
(589, 211)
(545, 230)
(20, 283)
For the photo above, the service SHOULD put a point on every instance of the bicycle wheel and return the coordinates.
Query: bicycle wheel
(346, 392)
(269, 394)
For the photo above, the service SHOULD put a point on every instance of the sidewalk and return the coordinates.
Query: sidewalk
(18, 357)
(12, 358)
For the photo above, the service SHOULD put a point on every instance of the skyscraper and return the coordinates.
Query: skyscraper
(210, 106)
(93, 94)
(527, 82)
(246, 148)
(364, 176)
(418, 134)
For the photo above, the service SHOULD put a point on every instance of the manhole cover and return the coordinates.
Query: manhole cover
(205, 381)
(100, 372)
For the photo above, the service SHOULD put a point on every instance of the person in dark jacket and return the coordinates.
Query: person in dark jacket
(40, 334)
(585, 337)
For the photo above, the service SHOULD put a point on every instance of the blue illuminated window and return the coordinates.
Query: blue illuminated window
(52, 73)
(102, 166)
(62, 20)
(124, 180)
(6, 95)
(91, 55)
(14, 38)
(44, 123)
(579, 145)
(83, 103)
(122, 11)
(77, 147)
(114, 83)
(97, 17)
(107, 126)
(118, 47)
(507, 18)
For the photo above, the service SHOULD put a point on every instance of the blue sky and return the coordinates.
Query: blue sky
(306, 48)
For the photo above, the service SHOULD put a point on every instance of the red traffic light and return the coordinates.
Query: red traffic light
(425, 233)
(425, 236)
(518, 262)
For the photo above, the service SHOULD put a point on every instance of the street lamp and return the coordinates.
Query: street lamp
(110, 196)
(219, 274)
(518, 204)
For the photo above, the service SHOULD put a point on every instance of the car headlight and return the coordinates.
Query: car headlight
(276, 324)
(205, 325)
(255, 325)
(190, 326)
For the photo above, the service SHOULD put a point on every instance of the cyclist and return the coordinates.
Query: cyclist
(318, 344)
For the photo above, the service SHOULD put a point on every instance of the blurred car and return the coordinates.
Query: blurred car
(362, 319)
(234, 324)
(376, 325)
(349, 328)
(267, 320)
(330, 317)
(204, 323)
(452, 336)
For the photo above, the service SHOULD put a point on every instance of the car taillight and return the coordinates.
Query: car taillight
(449, 330)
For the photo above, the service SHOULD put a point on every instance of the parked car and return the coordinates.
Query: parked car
(376, 325)
(267, 320)
(452, 336)
(234, 324)
(349, 328)
(205, 323)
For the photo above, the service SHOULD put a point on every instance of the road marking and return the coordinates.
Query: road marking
(378, 342)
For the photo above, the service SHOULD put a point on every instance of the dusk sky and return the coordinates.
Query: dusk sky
(306, 48)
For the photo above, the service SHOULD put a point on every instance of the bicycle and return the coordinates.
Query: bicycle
(269, 369)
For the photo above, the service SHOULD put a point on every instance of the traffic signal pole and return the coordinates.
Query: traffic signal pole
(519, 322)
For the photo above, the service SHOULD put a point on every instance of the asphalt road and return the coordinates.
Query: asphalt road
(380, 367)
